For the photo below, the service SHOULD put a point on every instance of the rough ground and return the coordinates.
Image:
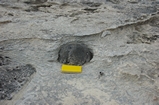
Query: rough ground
(124, 37)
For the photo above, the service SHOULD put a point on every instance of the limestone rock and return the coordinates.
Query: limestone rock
(122, 34)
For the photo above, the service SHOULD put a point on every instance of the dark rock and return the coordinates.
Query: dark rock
(12, 80)
(4, 60)
(35, 1)
(114, 1)
(75, 53)
(92, 4)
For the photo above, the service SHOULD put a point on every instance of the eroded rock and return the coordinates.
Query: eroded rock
(12, 79)
(4, 60)
(75, 53)
(34, 1)
(123, 35)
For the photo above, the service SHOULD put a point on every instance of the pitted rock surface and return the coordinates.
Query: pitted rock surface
(74, 53)
(124, 38)
(4, 60)
(12, 79)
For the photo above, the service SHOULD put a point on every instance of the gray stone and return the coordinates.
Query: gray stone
(123, 36)
(34, 1)
(12, 79)
(74, 53)
(4, 60)
(105, 33)
(133, 1)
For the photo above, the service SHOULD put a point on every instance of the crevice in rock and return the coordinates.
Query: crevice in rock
(35, 1)
(140, 22)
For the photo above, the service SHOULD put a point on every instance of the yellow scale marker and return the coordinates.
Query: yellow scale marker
(71, 69)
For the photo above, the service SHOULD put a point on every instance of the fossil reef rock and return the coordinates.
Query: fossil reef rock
(119, 54)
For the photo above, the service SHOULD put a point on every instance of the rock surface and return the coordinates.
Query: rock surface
(124, 37)
(74, 53)
(12, 79)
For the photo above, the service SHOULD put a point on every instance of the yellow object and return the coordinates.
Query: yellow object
(71, 69)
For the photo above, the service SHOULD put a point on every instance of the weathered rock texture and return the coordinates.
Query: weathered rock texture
(12, 79)
(74, 53)
(124, 37)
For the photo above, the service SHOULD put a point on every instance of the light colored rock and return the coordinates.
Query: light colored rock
(105, 33)
(128, 57)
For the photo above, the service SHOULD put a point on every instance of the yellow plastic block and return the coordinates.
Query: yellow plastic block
(71, 69)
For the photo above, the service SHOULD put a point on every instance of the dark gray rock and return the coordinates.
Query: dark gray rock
(34, 1)
(75, 53)
(4, 60)
(12, 79)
